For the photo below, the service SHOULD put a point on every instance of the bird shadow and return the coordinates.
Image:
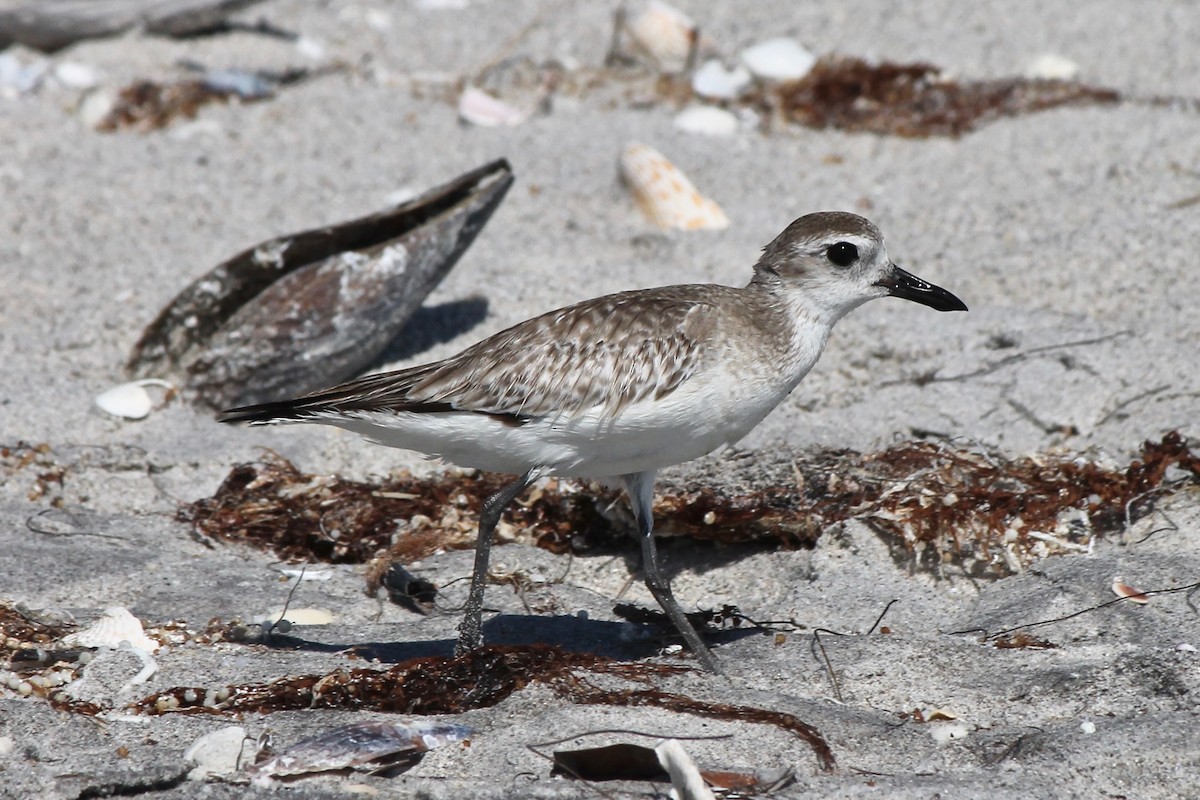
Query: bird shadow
(430, 326)
(615, 640)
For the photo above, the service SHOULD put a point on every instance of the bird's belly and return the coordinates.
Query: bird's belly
(646, 435)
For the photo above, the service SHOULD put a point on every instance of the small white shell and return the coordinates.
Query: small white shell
(664, 32)
(712, 80)
(130, 400)
(943, 732)
(116, 626)
(707, 120)
(664, 194)
(780, 59)
(480, 108)
(1052, 67)
(74, 75)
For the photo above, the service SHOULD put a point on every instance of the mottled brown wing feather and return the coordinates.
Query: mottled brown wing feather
(601, 354)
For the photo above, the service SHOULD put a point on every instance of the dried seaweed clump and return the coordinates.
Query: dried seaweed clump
(938, 505)
(993, 516)
(913, 100)
(274, 506)
(478, 679)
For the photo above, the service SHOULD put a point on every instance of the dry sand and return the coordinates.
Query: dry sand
(1055, 228)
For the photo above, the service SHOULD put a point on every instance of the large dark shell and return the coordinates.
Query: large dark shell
(301, 312)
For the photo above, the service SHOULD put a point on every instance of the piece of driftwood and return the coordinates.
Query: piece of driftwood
(303, 311)
(50, 25)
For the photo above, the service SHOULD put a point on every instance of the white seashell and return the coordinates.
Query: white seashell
(942, 732)
(714, 81)
(130, 400)
(216, 753)
(300, 616)
(1052, 67)
(116, 626)
(480, 108)
(664, 32)
(664, 194)
(74, 75)
(1087, 726)
(1184, 647)
(707, 120)
(778, 60)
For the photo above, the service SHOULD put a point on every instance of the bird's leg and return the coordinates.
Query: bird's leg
(640, 488)
(470, 630)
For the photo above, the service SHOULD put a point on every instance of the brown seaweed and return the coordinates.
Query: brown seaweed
(307, 310)
(933, 504)
(914, 100)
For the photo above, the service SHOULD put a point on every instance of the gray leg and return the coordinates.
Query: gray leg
(470, 630)
(640, 488)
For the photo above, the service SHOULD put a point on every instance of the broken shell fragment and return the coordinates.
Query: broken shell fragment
(1127, 592)
(373, 745)
(310, 309)
(480, 108)
(116, 626)
(664, 194)
(780, 59)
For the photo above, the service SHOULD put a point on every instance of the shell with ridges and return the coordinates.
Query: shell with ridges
(665, 194)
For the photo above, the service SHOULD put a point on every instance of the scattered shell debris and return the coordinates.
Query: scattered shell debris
(393, 746)
(901, 492)
(131, 400)
(664, 193)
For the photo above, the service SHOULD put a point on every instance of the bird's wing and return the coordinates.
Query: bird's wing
(598, 356)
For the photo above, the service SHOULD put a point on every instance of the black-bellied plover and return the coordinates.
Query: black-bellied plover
(621, 386)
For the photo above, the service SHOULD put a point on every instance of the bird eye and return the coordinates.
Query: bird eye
(842, 254)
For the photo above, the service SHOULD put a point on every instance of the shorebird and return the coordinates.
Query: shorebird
(618, 387)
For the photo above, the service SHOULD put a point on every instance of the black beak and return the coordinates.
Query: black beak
(910, 287)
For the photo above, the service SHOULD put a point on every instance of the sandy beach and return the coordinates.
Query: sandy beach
(1070, 233)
